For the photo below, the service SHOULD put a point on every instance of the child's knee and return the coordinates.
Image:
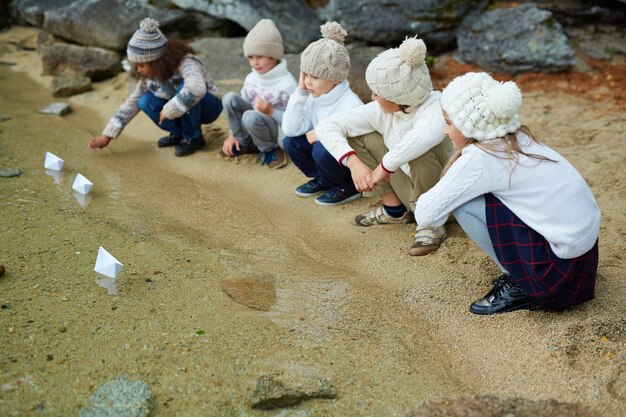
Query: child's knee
(228, 99)
(250, 119)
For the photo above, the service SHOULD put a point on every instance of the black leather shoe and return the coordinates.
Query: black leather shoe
(508, 297)
(497, 283)
(189, 146)
(169, 140)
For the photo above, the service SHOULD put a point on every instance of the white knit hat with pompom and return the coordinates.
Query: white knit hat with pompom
(147, 44)
(481, 107)
(400, 75)
(327, 58)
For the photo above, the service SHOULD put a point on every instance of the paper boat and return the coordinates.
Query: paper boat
(53, 162)
(106, 264)
(81, 184)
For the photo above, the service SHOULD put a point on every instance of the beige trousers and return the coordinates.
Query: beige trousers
(424, 170)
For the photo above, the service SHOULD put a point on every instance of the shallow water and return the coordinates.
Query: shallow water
(180, 235)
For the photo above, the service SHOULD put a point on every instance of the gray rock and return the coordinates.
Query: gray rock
(106, 24)
(298, 24)
(389, 22)
(119, 398)
(518, 39)
(291, 387)
(87, 61)
(58, 109)
(31, 12)
(599, 41)
(69, 85)
(10, 172)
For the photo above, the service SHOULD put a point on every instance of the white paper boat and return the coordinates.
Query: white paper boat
(53, 162)
(106, 264)
(81, 184)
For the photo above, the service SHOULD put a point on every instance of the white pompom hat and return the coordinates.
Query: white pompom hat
(400, 75)
(481, 107)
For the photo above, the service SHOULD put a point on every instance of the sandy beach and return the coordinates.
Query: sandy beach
(390, 331)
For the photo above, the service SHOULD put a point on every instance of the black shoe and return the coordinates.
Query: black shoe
(508, 297)
(497, 283)
(169, 140)
(189, 146)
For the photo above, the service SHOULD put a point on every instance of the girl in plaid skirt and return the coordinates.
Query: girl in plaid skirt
(523, 203)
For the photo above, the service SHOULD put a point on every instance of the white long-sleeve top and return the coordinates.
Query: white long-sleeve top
(552, 198)
(304, 111)
(406, 135)
(274, 86)
(190, 72)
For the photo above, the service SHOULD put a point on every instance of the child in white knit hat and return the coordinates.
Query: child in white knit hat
(395, 144)
(173, 89)
(255, 115)
(519, 200)
(323, 90)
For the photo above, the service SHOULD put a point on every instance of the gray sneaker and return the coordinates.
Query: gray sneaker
(380, 216)
(427, 240)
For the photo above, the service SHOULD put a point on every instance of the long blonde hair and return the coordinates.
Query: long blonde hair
(508, 148)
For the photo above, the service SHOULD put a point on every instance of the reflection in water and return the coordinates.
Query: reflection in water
(56, 176)
(83, 199)
(108, 283)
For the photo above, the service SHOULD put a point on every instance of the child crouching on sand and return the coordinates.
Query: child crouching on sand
(173, 89)
(255, 116)
(396, 143)
(520, 201)
(323, 90)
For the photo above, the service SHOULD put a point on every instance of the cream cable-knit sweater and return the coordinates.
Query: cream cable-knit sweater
(551, 198)
(407, 136)
(197, 82)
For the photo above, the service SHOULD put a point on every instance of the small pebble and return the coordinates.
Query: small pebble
(2, 270)
(11, 330)
(63, 329)
(49, 358)
(10, 172)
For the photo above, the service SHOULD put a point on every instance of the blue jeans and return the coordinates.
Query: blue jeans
(316, 162)
(189, 124)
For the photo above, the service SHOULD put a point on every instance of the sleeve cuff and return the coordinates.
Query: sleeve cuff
(340, 160)
(385, 169)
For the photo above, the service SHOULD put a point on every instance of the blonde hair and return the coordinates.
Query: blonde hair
(507, 148)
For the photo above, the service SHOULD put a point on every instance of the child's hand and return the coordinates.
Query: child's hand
(263, 106)
(361, 174)
(380, 174)
(98, 142)
(301, 84)
(230, 143)
(162, 117)
(311, 136)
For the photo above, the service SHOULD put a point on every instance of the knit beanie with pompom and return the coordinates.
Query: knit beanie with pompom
(481, 107)
(400, 74)
(147, 44)
(264, 39)
(327, 58)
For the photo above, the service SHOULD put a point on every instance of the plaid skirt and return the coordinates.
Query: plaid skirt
(553, 282)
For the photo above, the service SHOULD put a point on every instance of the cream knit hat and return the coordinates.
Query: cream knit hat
(400, 74)
(264, 40)
(327, 58)
(147, 44)
(481, 107)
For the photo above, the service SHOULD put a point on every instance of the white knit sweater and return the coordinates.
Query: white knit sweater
(406, 136)
(196, 81)
(304, 111)
(551, 198)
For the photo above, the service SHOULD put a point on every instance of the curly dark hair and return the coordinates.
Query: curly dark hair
(165, 67)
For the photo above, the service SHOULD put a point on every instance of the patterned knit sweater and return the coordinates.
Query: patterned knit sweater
(196, 81)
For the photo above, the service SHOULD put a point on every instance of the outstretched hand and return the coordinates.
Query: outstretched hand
(99, 142)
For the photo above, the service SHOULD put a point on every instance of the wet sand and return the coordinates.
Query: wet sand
(389, 330)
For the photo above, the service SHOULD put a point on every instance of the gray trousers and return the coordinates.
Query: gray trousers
(252, 129)
(472, 218)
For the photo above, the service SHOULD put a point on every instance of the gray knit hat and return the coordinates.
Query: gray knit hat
(481, 107)
(327, 58)
(264, 40)
(400, 74)
(148, 43)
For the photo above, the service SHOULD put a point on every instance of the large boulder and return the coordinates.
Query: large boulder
(106, 24)
(389, 22)
(31, 12)
(61, 58)
(517, 39)
(298, 23)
